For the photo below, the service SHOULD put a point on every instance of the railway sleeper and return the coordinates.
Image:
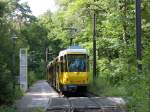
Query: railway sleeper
(85, 104)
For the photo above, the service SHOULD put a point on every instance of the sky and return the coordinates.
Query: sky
(40, 6)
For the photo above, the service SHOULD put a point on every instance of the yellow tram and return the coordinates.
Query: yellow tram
(69, 71)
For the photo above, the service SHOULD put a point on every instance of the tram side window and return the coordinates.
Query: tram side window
(88, 65)
(65, 64)
(61, 63)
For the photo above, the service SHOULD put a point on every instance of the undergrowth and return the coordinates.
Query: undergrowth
(134, 88)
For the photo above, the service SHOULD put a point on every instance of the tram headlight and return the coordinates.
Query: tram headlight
(65, 87)
(66, 79)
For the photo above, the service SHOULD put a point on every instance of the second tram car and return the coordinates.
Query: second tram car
(69, 71)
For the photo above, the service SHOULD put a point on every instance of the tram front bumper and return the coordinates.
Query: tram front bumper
(73, 88)
(69, 88)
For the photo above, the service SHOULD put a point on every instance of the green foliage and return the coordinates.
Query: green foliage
(18, 93)
(7, 109)
(31, 77)
(9, 26)
(4, 108)
(116, 62)
(138, 89)
(6, 86)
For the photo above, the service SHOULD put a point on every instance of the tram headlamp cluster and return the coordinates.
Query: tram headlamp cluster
(66, 79)
(65, 87)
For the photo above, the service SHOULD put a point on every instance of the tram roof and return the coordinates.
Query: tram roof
(73, 50)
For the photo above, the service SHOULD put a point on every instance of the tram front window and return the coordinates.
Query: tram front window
(77, 63)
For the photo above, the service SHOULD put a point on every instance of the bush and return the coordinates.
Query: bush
(31, 78)
(7, 109)
(138, 87)
(134, 88)
(102, 87)
(18, 93)
(6, 92)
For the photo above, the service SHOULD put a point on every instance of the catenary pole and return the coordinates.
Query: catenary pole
(14, 64)
(138, 35)
(94, 45)
(14, 37)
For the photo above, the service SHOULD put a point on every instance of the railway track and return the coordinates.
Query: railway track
(86, 103)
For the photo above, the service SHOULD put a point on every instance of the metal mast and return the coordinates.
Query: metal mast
(94, 45)
(138, 35)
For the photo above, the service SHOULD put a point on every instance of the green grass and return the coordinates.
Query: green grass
(36, 110)
(134, 88)
(101, 87)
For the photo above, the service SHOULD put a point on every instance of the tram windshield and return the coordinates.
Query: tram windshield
(76, 63)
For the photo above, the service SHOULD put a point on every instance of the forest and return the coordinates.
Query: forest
(115, 46)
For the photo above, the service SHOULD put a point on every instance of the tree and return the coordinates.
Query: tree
(10, 10)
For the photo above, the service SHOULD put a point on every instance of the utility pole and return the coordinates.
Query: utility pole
(138, 35)
(48, 52)
(14, 64)
(94, 45)
(46, 61)
(14, 37)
